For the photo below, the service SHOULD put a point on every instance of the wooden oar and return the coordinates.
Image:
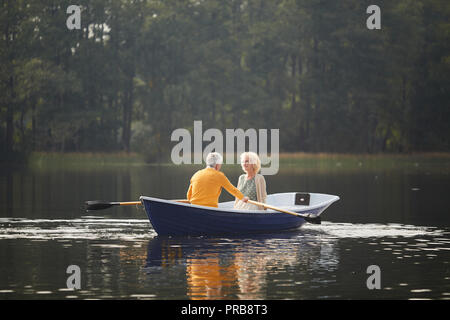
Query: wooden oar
(307, 217)
(100, 204)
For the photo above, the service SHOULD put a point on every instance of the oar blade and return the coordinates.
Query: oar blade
(313, 220)
(98, 205)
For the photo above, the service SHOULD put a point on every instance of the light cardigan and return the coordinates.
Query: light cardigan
(260, 183)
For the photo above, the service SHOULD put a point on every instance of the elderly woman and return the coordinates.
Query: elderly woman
(206, 184)
(251, 184)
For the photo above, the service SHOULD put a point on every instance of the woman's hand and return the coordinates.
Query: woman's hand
(245, 199)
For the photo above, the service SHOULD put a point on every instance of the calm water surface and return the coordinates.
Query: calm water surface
(397, 219)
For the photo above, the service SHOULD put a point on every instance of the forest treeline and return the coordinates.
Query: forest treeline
(139, 69)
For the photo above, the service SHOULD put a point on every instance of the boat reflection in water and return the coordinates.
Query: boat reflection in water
(244, 267)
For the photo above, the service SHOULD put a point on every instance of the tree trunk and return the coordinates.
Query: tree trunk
(127, 113)
(294, 80)
(10, 118)
(33, 126)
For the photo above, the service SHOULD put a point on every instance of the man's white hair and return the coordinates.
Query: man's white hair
(213, 158)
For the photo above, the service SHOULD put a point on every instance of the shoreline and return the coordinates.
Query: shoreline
(302, 160)
(134, 156)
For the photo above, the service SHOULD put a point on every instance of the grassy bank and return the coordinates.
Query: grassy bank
(73, 159)
(327, 160)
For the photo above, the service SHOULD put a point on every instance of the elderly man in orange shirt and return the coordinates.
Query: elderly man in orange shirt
(206, 184)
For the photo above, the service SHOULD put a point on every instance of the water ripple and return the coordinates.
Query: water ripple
(140, 229)
(350, 230)
(82, 228)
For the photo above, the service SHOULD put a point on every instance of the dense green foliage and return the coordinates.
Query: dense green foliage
(138, 69)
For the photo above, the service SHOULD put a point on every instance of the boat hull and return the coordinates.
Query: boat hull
(170, 218)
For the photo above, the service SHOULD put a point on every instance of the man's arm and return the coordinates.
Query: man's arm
(232, 189)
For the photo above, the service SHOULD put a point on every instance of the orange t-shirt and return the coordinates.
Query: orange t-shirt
(206, 186)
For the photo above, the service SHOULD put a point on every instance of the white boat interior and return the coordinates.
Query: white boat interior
(287, 200)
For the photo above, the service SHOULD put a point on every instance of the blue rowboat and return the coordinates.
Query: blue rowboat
(171, 218)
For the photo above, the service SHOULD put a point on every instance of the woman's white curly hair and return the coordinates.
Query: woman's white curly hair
(253, 159)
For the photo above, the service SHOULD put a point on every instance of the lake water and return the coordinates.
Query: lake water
(395, 218)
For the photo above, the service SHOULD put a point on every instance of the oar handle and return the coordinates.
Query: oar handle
(132, 203)
(272, 207)
(129, 203)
